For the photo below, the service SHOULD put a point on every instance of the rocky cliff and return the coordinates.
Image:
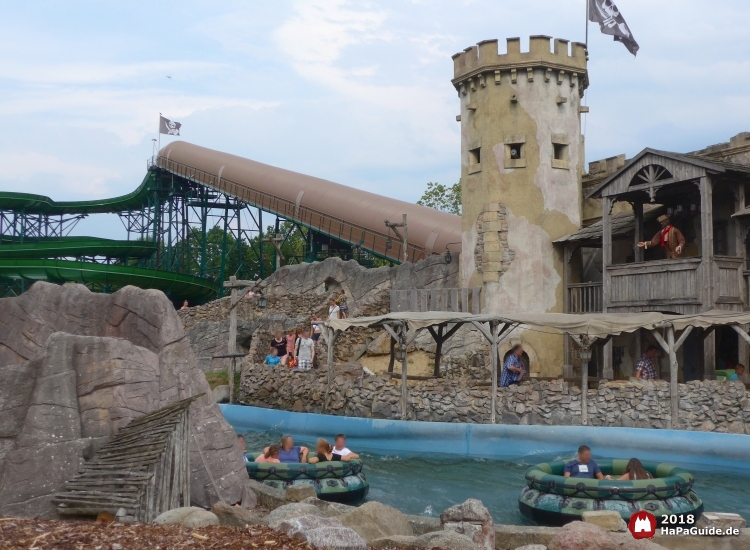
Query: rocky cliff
(75, 367)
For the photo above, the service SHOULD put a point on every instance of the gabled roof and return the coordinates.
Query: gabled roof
(622, 224)
(712, 165)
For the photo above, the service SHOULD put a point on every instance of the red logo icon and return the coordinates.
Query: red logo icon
(642, 525)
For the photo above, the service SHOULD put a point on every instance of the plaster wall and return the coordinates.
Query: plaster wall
(513, 210)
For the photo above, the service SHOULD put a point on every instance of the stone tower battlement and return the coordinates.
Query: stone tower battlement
(473, 64)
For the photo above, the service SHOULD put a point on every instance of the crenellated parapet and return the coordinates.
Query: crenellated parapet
(480, 65)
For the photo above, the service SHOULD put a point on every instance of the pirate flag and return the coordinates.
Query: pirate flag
(169, 127)
(611, 22)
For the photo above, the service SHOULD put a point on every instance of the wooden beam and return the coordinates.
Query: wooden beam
(742, 333)
(331, 340)
(674, 388)
(682, 338)
(664, 345)
(232, 348)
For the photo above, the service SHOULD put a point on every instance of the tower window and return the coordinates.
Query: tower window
(475, 160)
(560, 151)
(515, 151)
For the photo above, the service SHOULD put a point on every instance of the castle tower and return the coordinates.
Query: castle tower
(521, 165)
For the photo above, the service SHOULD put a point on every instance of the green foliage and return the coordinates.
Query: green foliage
(442, 197)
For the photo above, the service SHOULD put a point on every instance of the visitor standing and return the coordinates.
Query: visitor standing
(185, 305)
(341, 302)
(305, 351)
(272, 359)
(279, 342)
(645, 369)
(333, 310)
(290, 340)
(513, 369)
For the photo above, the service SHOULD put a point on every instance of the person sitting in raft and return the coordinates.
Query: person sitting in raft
(289, 452)
(339, 447)
(513, 370)
(739, 371)
(633, 471)
(272, 359)
(324, 453)
(271, 454)
(584, 467)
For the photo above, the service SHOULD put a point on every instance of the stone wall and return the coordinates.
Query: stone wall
(296, 292)
(706, 406)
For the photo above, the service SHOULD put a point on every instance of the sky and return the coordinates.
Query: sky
(357, 92)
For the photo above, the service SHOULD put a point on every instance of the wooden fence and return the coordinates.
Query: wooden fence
(465, 300)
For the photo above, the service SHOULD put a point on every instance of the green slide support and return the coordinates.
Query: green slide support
(62, 247)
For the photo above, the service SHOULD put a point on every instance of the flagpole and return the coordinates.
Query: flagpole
(588, 3)
(159, 130)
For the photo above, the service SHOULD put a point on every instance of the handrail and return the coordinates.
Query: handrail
(372, 241)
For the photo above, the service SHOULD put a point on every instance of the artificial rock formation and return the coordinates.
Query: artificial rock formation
(75, 367)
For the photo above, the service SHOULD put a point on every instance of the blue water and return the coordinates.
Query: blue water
(427, 485)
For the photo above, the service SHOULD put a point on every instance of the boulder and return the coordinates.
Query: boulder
(290, 511)
(609, 520)
(532, 547)
(578, 534)
(335, 538)
(299, 526)
(396, 541)
(189, 516)
(300, 492)
(221, 394)
(209, 338)
(374, 520)
(446, 539)
(75, 367)
(722, 520)
(329, 509)
(235, 515)
(471, 518)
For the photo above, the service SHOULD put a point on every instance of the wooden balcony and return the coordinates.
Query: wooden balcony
(585, 298)
(679, 286)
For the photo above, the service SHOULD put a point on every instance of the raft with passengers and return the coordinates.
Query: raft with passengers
(626, 486)
(333, 471)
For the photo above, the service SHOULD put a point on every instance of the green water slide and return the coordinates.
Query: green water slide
(49, 259)
(62, 247)
(39, 204)
(175, 285)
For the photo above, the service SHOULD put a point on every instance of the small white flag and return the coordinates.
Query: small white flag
(169, 127)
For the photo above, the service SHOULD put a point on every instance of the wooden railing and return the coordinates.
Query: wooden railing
(465, 300)
(585, 298)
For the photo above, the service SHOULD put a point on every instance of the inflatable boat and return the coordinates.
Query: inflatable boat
(549, 498)
(333, 481)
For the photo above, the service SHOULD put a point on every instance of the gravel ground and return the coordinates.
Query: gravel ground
(40, 534)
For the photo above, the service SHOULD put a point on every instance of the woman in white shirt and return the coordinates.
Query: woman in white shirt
(333, 310)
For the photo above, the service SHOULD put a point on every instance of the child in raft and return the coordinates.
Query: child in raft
(271, 455)
(633, 471)
(324, 453)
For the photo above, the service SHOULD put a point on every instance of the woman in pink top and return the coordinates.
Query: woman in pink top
(271, 455)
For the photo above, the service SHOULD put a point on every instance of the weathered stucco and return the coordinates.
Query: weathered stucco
(532, 99)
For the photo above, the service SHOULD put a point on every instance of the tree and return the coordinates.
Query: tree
(442, 197)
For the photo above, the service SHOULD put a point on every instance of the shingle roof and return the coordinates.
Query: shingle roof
(622, 224)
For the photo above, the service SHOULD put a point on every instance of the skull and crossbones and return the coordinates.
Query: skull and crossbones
(608, 10)
(173, 130)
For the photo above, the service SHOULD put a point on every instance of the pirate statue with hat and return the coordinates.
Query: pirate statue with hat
(668, 237)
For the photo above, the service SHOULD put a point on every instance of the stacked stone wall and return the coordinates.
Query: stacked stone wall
(706, 406)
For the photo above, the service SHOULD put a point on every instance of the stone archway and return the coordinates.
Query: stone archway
(529, 357)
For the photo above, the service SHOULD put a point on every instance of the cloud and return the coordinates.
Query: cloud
(80, 179)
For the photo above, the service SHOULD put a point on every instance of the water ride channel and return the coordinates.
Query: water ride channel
(424, 467)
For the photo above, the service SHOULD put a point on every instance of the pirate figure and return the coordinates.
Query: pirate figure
(668, 237)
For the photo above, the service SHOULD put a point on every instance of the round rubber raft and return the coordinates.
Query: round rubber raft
(333, 481)
(550, 498)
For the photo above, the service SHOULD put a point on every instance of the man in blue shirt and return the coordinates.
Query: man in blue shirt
(583, 467)
(513, 370)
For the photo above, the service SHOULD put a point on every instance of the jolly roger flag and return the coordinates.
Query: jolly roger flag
(169, 127)
(611, 22)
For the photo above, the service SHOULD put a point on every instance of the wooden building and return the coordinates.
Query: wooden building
(707, 197)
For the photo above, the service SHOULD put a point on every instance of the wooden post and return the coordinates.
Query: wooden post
(638, 237)
(330, 339)
(406, 241)
(607, 204)
(404, 386)
(674, 388)
(493, 363)
(584, 393)
(438, 348)
(392, 360)
(232, 340)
